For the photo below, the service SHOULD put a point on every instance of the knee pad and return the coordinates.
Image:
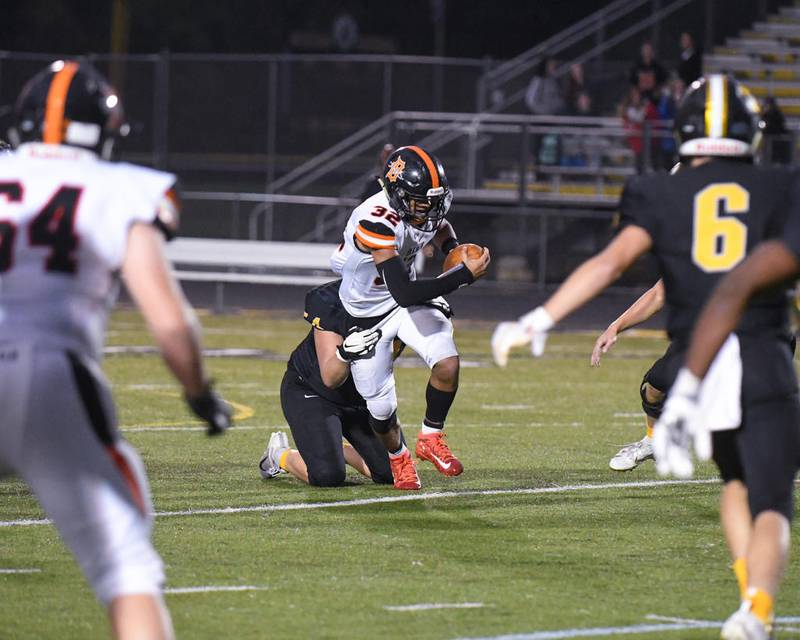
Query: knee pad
(651, 409)
(383, 407)
(384, 425)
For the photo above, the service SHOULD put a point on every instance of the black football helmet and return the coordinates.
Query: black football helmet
(717, 117)
(69, 103)
(417, 188)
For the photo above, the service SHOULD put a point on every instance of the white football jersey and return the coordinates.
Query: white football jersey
(378, 226)
(64, 221)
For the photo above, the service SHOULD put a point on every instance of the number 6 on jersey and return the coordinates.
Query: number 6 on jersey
(719, 242)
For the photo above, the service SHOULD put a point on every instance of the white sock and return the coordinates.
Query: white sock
(399, 452)
(428, 430)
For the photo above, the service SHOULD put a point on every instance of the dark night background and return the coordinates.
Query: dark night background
(473, 29)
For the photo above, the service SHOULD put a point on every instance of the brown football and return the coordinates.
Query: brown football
(457, 255)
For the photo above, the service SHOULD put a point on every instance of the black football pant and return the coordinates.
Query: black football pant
(318, 426)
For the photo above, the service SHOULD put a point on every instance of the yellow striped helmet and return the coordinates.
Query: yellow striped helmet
(717, 117)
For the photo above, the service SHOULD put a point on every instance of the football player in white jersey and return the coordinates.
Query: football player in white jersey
(69, 223)
(379, 289)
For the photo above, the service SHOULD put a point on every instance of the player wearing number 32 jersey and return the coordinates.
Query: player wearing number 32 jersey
(70, 223)
(380, 289)
(700, 224)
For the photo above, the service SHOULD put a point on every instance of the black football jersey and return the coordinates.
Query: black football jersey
(324, 311)
(703, 221)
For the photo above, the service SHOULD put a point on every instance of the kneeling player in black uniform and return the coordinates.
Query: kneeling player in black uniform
(699, 224)
(321, 404)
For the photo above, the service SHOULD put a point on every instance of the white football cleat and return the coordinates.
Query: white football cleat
(506, 336)
(633, 454)
(744, 625)
(268, 465)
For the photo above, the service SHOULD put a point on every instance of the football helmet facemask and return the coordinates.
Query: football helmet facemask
(417, 188)
(717, 117)
(69, 103)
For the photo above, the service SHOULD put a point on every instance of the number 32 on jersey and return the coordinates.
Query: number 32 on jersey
(719, 240)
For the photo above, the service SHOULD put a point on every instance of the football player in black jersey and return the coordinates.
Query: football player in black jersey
(700, 223)
(646, 306)
(321, 404)
(770, 457)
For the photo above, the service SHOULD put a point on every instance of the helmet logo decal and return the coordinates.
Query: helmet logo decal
(395, 169)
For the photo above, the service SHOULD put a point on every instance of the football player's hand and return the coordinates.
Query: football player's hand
(532, 327)
(441, 305)
(603, 344)
(358, 344)
(677, 428)
(211, 408)
(479, 266)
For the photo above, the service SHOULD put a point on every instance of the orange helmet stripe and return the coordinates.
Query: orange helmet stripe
(56, 101)
(428, 163)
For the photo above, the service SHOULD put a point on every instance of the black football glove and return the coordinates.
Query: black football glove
(210, 407)
(441, 305)
(358, 344)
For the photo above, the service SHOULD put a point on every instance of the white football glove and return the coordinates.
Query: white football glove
(358, 344)
(677, 429)
(532, 327)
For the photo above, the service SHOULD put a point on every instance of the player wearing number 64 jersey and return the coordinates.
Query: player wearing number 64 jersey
(70, 222)
(699, 224)
(380, 289)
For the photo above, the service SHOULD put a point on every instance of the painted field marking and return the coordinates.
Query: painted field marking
(212, 589)
(8, 571)
(595, 632)
(243, 412)
(506, 407)
(158, 429)
(668, 624)
(408, 497)
(637, 414)
(431, 606)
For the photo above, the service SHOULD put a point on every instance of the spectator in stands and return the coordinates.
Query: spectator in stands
(647, 75)
(667, 107)
(544, 96)
(777, 140)
(574, 87)
(690, 65)
(373, 186)
(635, 111)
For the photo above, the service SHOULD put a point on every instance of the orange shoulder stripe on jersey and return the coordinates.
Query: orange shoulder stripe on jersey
(56, 101)
(372, 234)
(373, 245)
(428, 163)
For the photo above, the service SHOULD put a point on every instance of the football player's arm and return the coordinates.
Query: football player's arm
(648, 304)
(445, 239)
(771, 263)
(333, 370)
(171, 321)
(407, 292)
(597, 273)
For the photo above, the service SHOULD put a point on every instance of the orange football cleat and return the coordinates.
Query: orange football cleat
(404, 472)
(433, 448)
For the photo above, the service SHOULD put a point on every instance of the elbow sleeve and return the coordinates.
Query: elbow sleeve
(407, 292)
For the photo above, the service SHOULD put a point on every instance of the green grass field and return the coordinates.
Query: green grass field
(530, 539)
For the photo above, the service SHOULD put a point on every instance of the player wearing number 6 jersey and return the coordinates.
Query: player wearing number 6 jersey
(379, 289)
(700, 223)
(70, 222)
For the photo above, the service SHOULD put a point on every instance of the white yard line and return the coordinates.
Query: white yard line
(239, 428)
(430, 606)
(668, 623)
(404, 497)
(212, 589)
(596, 632)
(7, 571)
(506, 407)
